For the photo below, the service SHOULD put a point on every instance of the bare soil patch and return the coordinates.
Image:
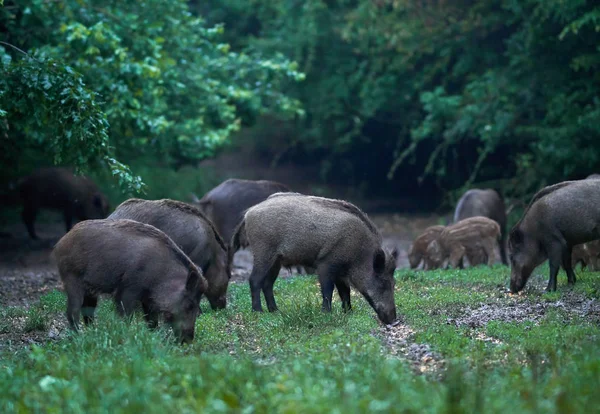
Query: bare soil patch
(521, 309)
(398, 341)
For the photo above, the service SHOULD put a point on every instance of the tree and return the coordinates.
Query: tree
(164, 82)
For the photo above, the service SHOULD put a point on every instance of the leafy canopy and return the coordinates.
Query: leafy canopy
(164, 81)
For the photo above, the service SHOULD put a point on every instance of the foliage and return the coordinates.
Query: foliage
(460, 90)
(301, 359)
(165, 81)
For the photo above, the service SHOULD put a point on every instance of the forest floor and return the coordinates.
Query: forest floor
(463, 343)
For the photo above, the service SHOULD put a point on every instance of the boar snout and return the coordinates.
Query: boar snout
(187, 336)
(387, 316)
(218, 303)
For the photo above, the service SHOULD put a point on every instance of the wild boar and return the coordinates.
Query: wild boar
(136, 263)
(225, 204)
(192, 232)
(484, 203)
(588, 254)
(418, 250)
(57, 188)
(332, 236)
(467, 237)
(558, 217)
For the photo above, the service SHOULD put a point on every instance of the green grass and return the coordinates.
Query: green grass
(303, 360)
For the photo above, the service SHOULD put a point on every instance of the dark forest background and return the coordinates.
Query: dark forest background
(416, 97)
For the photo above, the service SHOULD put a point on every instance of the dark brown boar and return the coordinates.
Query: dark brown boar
(558, 217)
(467, 237)
(332, 236)
(225, 204)
(136, 263)
(192, 232)
(418, 250)
(484, 203)
(57, 188)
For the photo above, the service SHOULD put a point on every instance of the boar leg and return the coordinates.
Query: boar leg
(488, 248)
(260, 269)
(150, 314)
(75, 295)
(29, 213)
(343, 288)
(126, 301)
(456, 255)
(568, 266)
(89, 308)
(554, 259)
(327, 286)
(268, 286)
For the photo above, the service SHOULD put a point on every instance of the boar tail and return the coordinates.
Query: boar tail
(238, 241)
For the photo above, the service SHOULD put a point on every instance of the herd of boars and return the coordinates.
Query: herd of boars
(165, 255)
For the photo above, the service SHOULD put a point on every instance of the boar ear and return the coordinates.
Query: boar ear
(195, 282)
(433, 246)
(379, 261)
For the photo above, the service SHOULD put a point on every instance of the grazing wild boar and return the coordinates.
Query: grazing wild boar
(467, 237)
(588, 254)
(333, 236)
(192, 232)
(484, 203)
(558, 217)
(418, 250)
(136, 263)
(57, 188)
(225, 204)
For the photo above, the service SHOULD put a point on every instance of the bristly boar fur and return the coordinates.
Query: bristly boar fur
(193, 232)
(418, 250)
(135, 262)
(57, 188)
(332, 236)
(486, 203)
(467, 237)
(557, 218)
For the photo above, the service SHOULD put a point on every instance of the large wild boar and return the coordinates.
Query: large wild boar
(192, 232)
(467, 237)
(57, 188)
(418, 250)
(558, 217)
(225, 204)
(333, 236)
(136, 263)
(485, 203)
